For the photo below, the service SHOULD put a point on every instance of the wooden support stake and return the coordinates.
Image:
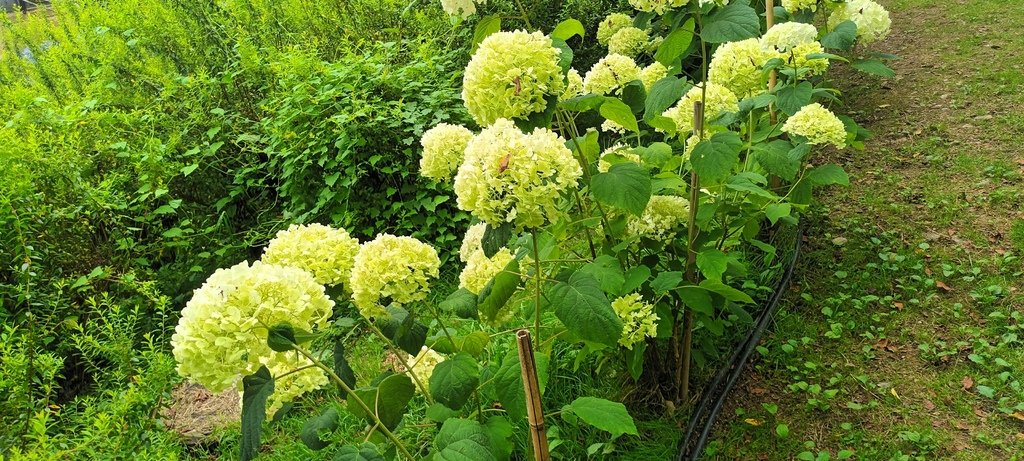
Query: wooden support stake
(534, 409)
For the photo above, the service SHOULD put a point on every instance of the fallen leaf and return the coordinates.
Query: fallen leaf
(960, 425)
(942, 286)
(980, 413)
(894, 394)
(928, 271)
(1020, 436)
(758, 391)
(1017, 415)
(936, 423)
(967, 383)
(898, 305)
(753, 422)
(929, 405)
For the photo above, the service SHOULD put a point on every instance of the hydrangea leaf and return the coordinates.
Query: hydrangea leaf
(462, 440)
(454, 380)
(634, 278)
(634, 95)
(675, 44)
(341, 366)
(603, 414)
(726, 291)
(495, 238)
(586, 144)
(256, 389)
(734, 22)
(827, 175)
(499, 430)
(440, 413)
(404, 330)
(780, 158)
(607, 270)
(777, 211)
(712, 263)
(584, 309)
(791, 98)
(494, 296)
(713, 159)
(583, 103)
(664, 93)
(873, 67)
(841, 37)
(462, 303)
(325, 422)
(365, 452)
(657, 154)
(568, 29)
(626, 185)
(666, 281)
(388, 398)
(486, 26)
(697, 298)
(618, 112)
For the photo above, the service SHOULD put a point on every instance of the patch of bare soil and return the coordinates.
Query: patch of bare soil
(195, 412)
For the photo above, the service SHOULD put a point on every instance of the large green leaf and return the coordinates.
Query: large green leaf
(826, 175)
(500, 431)
(461, 302)
(341, 366)
(675, 44)
(462, 440)
(603, 414)
(256, 389)
(712, 263)
(403, 329)
(583, 103)
(619, 112)
(841, 37)
(666, 281)
(454, 380)
(626, 185)
(508, 383)
(496, 294)
(634, 94)
(310, 433)
(388, 398)
(365, 452)
(568, 29)
(697, 298)
(873, 67)
(713, 159)
(495, 238)
(584, 309)
(731, 23)
(485, 27)
(664, 93)
(607, 270)
(791, 98)
(776, 211)
(586, 144)
(778, 158)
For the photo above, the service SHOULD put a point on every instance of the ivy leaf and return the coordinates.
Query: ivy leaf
(498, 291)
(310, 434)
(341, 366)
(388, 398)
(454, 380)
(618, 112)
(826, 175)
(841, 37)
(791, 98)
(584, 309)
(485, 27)
(495, 238)
(462, 440)
(365, 452)
(568, 29)
(626, 185)
(675, 44)
(713, 159)
(256, 389)
(873, 67)
(734, 22)
(603, 414)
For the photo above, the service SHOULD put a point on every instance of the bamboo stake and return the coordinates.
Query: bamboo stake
(691, 257)
(534, 410)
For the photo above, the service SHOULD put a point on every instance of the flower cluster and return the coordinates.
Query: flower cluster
(479, 268)
(784, 36)
(511, 176)
(652, 73)
(423, 366)
(443, 146)
(618, 150)
(323, 251)
(472, 241)
(395, 269)
(737, 66)
(610, 74)
(638, 318)
(818, 124)
(460, 8)
(659, 221)
(872, 19)
(793, 6)
(660, 6)
(719, 99)
(222, 334)
(628, 41)
(799, 57)
(610, 25)
(573, 85)
(510, 75)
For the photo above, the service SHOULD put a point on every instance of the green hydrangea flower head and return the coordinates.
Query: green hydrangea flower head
(872, 19)
(222, 334)
(443, 146)
(573, 85)
(480, 269)
(472, 241)
(798, 57)
(423, 367)
(326, 252)
(818, 124)
(737, 66)
(391, 268)
(610, 25)
(638, 319)
(459, 8)
(610, 74)
(652, 73)
(628, 41)
(510, 75)
(719, 99)
(787, 35)
(510, 176)
(658, 6)
(661, 219)
(616, 154)
(793, 6)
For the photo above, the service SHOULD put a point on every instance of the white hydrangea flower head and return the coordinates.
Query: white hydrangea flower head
(787, 35)
(618, 150)
(459, 8)
(480, 269)
(628, 41)
(737, 66)
(472, 241)
(638, 319)
(610, 126)
(702, 3)
(510, 75)
(443, 146)
(652, 73)
(294, 385)
(818, 124)
(719, 99)
(573, 86)
(423, 366)
(222, 334)
(399, 269)
(656, 41)
(660, 220)
(610, 74)
(510, 176)
(326, 252)
(872, 19)
(798, 57)
(659, 6)
(610, 25)
(793, 6)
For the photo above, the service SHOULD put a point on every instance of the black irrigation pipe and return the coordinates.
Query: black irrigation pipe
(716, 392)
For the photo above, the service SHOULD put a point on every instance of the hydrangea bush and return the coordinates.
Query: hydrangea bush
(619, 211)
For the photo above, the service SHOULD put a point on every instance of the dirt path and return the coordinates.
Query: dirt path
(902, 337)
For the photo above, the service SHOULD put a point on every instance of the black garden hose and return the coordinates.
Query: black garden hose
(716, 392)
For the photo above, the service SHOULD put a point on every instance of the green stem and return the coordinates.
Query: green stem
(401, 359)
(526, 16)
